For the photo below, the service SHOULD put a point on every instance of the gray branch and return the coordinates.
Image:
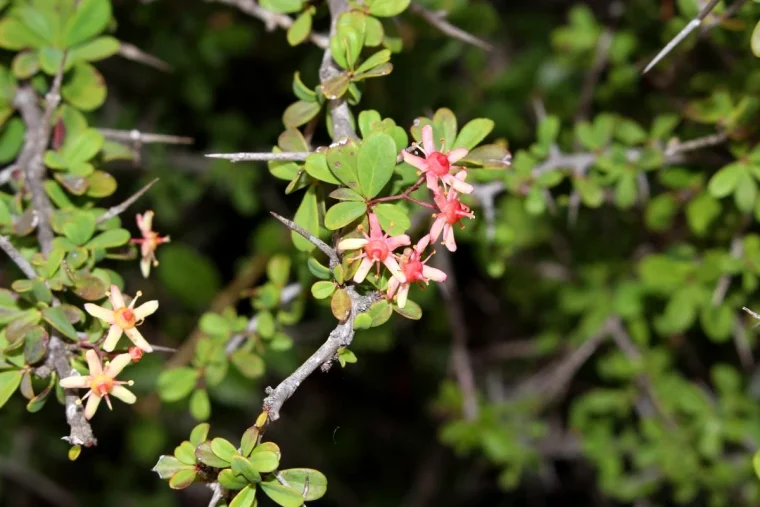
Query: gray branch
(137, 137)
(438, 20)
(262, 157)
(121, 208)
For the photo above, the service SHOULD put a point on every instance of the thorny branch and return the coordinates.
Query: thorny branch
(262, 157)
(272, 20)
(121, 208)
(438, 20)
(137, 137)
(131, 52)
(328, 250)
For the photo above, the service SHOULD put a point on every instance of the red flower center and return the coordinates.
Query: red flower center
(101, 384)
(454, 211)
(124, 318)
(438, 164)
(413, 270)
(377, 250)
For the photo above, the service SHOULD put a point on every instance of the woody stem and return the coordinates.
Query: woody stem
(404, 195)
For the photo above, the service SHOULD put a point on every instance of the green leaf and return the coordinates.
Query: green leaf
(724, 181)
(373, 32)
(100, 184)
(242, 466)
(311, 484)
(167, 466)
(111, 238)
(379, 312)
(373, 61)
(473, 133)
(717, 322)
(302, 91)
(375, 163)
(11, 140)
(336, 86)
(50, 60)
(9, 382)
(410, 311)
(387, 8)
(346, 356)
(83, 147)
(393, 218)
(245, 498)
(317, 269)
(548, 130)
(200, 405)
(625, 191)
(745, 192)
(36, 403)
(56, 317)
(206, 455)
(35, 345)
(342, 162)
(86, 89)
(229, 480)
(322, 289)
(381, 70)
(299, 113)
(96, 49)
(701, 212)
(183, 479)
(223, 449)
(15, 35)
(185, 453)
(316, 166)
(282, 495)
(199, 434)
(177, 383)
(346, 194)
(300, 29)
(307, 216)
(755, 45)
(265, 324)
(90, 18)
(344, 213)
(248, 363)
(25, 64)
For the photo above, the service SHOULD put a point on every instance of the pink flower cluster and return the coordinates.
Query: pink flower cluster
(446, 181)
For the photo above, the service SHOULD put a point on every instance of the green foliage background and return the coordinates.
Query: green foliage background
(671, 418)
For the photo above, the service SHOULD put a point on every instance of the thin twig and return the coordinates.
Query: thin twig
(438, 20)
(695, 144)
(261, 157)
(693, 25)
(137, 137)
(17, 258)
(743, 348)
(121, 208)
(593, 75)
(131, 52)
(460, 356)
(272, 20)
(331, 253)
(721, 288)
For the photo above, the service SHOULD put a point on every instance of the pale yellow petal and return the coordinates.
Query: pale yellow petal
(351, 244)
(93, 362)
(92, 405)
(113, 338)
(145, 266)
(124, 394)
(117, 364)
(146, 309)
(99, 312)
(137, 338)
(75, 382)
(117, 299)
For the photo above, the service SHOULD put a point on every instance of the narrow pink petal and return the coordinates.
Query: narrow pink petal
(124, 394)
(428, 142)
(460, 186)
(434, 274)
(415, 161)
(437, 227)
(403, 294)
(75, 382)
(145, 267)
(99, 312)
(117, 300)
(93, 362)
(351, 244)
(114, 333)
(92, 405)
(375, 229)
(364, 268)
(145, 309)
(423, 243)
(138, 339)
(397, 241)
(393, 285)
(117, 364)
(448, 238)
(432, 182)
(392, 265)
(146, 224)
(457, 155)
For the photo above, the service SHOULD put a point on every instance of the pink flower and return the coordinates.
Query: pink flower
(414, 270)
(149, 242)
(437, 165)
(101, 382)
(378, 248)
(123, 319)
(452, 211)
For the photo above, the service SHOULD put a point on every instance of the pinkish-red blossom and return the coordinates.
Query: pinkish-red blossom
(415, 270)
(452, 210)
(377, 248)
(437, 165)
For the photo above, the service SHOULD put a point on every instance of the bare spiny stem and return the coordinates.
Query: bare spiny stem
(438, 20)
(121, 208)
(137, 137)
(135, 54)
(272, 20)
(17, 258)
(675, 41)
(593, 75)
(329, 251)
(262, 157)
(338, 108)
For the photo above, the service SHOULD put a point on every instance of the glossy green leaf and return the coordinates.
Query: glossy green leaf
(316, 166)
(307, 216)
(322, 289)
(311, 484)
(25, 64)
(183, 479)
(343, 213)
(387, 8)
(206, 455)
(376, 161)
(282, 495)
(229, 480)
(90, 18)
(56, 317)
(410, 311)
(167, 466)
(242, 466)
(393, 218)
(300, 113)
(86, 89)
(725, 180)
(199, 434)
(111, 238)
(245, 498)
(96, 49)
(248, 363)
(9, 382)
(283, 6)
(177, 383)
(223, 449)
(473, 133)
(200, 405)
(300, 29)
